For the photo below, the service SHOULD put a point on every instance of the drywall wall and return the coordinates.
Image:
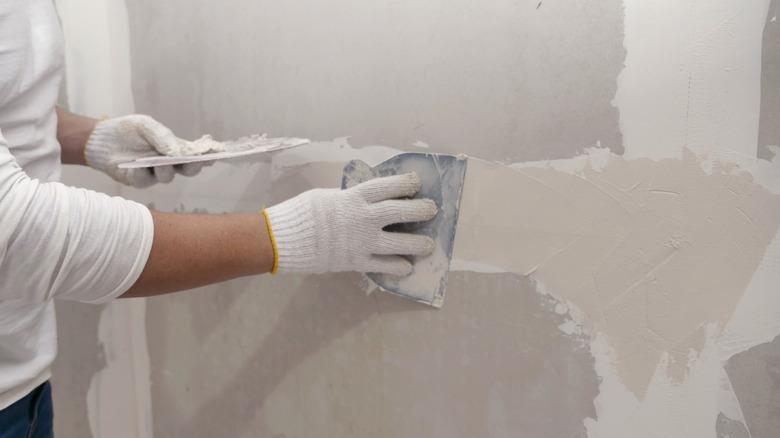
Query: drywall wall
(524, 346)
(769, 130)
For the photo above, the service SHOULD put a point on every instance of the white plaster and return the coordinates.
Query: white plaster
(691, 76)
(119, 396)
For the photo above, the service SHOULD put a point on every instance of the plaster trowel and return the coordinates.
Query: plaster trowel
(442, 181)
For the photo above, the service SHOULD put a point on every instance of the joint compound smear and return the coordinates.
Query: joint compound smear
(651, 252)
(207, 144)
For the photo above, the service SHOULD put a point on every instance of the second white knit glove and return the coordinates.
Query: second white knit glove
(122, 139)
(331, 230)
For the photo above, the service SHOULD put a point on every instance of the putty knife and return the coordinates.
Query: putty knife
(442, 181)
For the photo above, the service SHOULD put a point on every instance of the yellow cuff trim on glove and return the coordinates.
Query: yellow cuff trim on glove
(275, 266)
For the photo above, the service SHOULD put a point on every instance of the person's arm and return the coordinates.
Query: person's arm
(321, 230)
(72, 133)
(192, 250)
(59, 242)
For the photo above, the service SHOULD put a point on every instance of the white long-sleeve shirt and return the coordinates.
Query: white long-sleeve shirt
(56, 242)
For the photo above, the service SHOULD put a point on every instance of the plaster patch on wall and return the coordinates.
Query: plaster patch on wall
(692, 77)
(638, 247)
(604, 197)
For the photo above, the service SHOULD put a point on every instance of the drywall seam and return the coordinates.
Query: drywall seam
(97, 54)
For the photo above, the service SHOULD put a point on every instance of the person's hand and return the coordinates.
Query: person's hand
(122, 139)
(331, 230)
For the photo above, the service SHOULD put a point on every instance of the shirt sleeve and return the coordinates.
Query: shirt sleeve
(59, 242)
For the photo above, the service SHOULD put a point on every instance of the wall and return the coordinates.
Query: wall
(592, 93)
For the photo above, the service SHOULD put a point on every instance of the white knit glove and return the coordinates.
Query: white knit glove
(335, 230)
(122, 139)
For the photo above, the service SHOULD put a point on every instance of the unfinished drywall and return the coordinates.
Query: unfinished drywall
(505, 80)
(462, 361)
(636, 245)
(517, 350)
(389, 74)
(755, 375)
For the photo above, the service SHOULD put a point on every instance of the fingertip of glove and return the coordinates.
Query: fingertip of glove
(395, 265)
(429, 246)
(413, 179)
(431, 209)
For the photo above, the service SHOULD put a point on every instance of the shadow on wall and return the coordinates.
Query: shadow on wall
(309, 322)
(314, 356)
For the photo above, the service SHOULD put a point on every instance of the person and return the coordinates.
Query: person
(66, 243)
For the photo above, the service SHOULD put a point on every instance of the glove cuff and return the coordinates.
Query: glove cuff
(98, 151)
(292, 230)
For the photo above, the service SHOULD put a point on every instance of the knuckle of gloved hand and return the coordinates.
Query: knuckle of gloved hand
(139, 120)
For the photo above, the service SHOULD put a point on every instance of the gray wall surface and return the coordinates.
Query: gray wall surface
(299, 356)
(504, 81)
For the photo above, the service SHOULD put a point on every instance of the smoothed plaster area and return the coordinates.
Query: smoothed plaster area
(692, 77)
(638, 246)
(505, 80)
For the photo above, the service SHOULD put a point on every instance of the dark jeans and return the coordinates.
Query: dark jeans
(30, 417)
